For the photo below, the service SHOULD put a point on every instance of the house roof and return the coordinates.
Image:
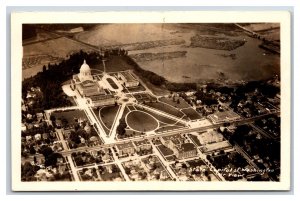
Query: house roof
(141, 142)
(125, 145)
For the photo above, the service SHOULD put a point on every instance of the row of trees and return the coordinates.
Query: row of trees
(51, 78)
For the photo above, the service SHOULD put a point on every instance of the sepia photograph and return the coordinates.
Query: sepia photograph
(150, 101)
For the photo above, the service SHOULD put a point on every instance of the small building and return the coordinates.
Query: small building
(23, 127)
(221, 117)
(142, 145)
(125, 148)
(210, 137)
(128, 79)
(38, 136)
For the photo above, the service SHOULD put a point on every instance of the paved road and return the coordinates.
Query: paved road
(178, 131)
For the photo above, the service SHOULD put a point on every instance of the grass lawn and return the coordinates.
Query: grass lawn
(108, 114)
(165, 150)
(113, 64)
(191, 113)
(166, 108)
(70, 115)
(141, 121)
(162, 119)
(112, 83)
(182, 102)
(136, 89)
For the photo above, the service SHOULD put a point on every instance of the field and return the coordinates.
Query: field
(51, 50)
(218, 43)
(191, 113)
(141, 121)
(113, 64)
(106, 116)
(166, 108)
(162, 119)
(157, 56)
(181, 104)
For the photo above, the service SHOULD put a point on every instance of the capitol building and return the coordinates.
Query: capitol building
(90, 88)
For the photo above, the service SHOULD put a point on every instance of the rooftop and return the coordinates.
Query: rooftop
(125, 145)
(176, 139)
(141, 142)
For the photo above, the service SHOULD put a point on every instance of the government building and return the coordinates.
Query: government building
(128, 79)
(89, 88)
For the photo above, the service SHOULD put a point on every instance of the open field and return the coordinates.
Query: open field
(166, 108)
(218, 43)
(158, 56)
(55, 49)
(113, 64)
(191, 113)
(162, 119)
(141, 121)
(108, 114)
(174, 102)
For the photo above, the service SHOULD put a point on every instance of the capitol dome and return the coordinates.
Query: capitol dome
(85, 72)
(84, 67)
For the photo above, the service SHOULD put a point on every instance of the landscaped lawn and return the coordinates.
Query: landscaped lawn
(164, 120)
(191, 113)
(166, 108)
(112, 83)
(113, 64)
(108, 114)
(182, 103)
(141, 121)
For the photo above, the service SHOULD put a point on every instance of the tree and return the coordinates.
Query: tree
(74, 137)
(52, 118)
(46, 151)
(51, 160)
(121, 127)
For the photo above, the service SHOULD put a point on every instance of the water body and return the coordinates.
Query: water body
(250, 63)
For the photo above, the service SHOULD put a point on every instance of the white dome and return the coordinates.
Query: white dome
(84, 67)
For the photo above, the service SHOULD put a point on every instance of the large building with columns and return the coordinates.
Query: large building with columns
(89, 88)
